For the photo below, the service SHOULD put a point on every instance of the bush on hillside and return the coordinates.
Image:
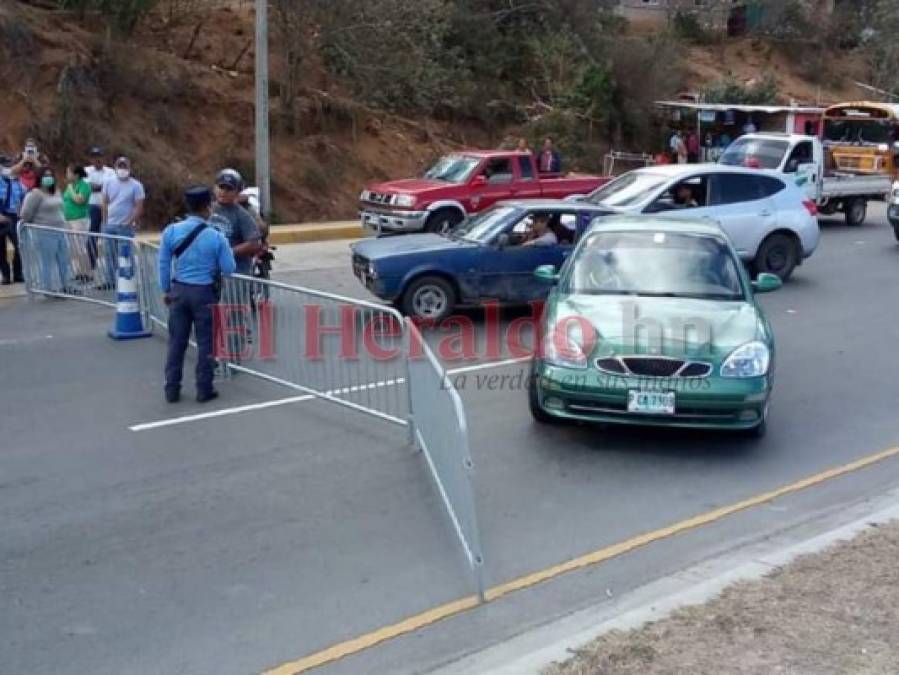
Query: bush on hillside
(759, 92)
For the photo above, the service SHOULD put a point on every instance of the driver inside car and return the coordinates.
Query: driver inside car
(541, 234)
(684, 198)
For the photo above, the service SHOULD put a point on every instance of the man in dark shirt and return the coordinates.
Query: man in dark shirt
(234, 221)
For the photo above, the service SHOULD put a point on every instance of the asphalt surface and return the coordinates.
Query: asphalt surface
(233, 544)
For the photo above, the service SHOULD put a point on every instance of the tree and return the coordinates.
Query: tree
(121, 15)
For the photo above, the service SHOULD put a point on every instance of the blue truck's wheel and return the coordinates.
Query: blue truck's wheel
(429, 298)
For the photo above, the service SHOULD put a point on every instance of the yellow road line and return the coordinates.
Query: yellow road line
(418, 621)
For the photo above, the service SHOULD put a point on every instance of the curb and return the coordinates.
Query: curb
(13, 291)
(300, 234)
(532, 651)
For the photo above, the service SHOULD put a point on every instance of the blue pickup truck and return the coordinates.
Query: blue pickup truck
(490, 257)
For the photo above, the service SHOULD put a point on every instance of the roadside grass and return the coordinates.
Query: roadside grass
(829, 612)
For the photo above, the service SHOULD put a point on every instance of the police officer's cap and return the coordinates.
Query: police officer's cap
(197, 197)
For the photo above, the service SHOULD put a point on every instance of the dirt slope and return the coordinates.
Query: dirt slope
(178, 99)
(181, 114)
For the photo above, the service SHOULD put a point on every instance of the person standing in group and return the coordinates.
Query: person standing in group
(693, 147)
(11, 195)
(43, 206)
(123, 207)
(678, 148)
(549, 161)
(76, 209)
(192, 255)
(724, 141)
(522, 145)
(29, 164)
(97, 175)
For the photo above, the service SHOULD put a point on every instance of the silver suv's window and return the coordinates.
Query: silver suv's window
(631, 188)
(755, 153)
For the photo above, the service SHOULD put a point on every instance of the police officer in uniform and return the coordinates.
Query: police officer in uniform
(192, 255)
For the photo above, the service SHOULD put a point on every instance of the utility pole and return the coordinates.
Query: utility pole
(263, 156)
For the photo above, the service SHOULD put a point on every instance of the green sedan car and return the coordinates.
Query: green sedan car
(654, 322)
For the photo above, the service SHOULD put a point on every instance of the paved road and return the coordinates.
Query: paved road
(233, 544)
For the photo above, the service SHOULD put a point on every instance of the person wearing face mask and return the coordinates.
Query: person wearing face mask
(123, 207)
(191, 257)
(43, 206)
(11, 195)
(75, 205)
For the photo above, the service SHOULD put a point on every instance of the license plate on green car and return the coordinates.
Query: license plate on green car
(650, 402)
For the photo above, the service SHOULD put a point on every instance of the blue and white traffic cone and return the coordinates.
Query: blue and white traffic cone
(128, 324)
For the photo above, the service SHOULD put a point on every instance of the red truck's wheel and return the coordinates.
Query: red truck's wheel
(443, 221)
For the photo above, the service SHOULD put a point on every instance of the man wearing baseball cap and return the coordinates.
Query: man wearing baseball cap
(234, 221)
(97, 176)
(123, 207)
(191, 256)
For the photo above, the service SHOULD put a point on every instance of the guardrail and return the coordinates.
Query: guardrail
(360, 355)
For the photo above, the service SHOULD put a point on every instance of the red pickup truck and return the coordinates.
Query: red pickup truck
(461, 184)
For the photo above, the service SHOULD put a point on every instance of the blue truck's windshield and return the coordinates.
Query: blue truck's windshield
(484, 227)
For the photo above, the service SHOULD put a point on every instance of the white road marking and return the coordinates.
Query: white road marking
(219, 413)
(223, 412)
(489, 364)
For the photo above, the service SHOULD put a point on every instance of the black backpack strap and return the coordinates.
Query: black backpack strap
(188, 240)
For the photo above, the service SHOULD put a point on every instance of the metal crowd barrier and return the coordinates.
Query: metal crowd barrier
(360, 355)
(67, 263)
(442, 434)
(339, 349)
(151, 298)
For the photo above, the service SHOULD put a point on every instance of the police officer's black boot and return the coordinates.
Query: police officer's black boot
(172, 394)
(204, 396)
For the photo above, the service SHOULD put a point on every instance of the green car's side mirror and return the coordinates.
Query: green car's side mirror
(766, 282)
(547, 273)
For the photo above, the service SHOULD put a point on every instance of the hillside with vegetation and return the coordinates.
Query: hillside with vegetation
(369, 90)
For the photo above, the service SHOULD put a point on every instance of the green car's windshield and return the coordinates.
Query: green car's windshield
(631, 188)
(660, 264)
(484, 227)
(453, 168)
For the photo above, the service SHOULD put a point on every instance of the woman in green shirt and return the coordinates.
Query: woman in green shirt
(76, 208)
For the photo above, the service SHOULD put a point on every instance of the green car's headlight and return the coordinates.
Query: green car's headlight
(568, 343)
(749, 360)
